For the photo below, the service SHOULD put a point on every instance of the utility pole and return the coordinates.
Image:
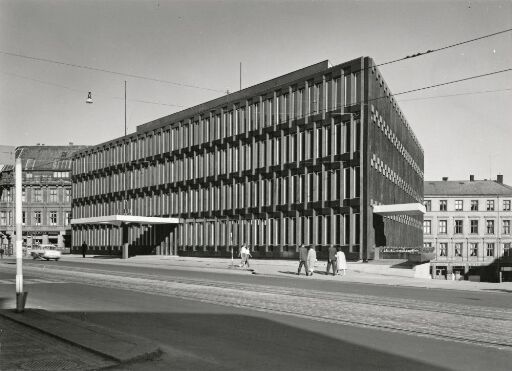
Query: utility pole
(124, 225)
(240, 75)
(21, 296)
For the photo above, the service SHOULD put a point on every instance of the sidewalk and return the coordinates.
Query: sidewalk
(357, 272)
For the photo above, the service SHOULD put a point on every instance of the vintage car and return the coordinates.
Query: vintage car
(45, 251)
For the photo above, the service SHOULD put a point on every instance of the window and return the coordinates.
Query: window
(490, 205)
(506, 205)
(53, 218)
(37, 218)
(67, 195)
(23, 195)
(474, 226)
(490, 226)
(443, 249)
(490, 249)
(458, 249)
(38, 195)
(427, 227)
(428, 205)
(507, 249)
(443, 226)
(458, 226)
(506, 227)
(23, 218)
(3, 218)
(443, 205)
(474, 205)
(53, 196)
(61, 174)
(459, 205)
(473, 249)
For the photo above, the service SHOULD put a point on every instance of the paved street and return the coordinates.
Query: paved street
(232, 319)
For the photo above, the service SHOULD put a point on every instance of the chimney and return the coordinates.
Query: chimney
(499, 178)
(445, 178)
(471, 178)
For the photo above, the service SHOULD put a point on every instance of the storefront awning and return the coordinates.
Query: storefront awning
(119, 219)
(399, 209)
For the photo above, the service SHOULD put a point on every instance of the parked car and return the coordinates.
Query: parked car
(45, 251)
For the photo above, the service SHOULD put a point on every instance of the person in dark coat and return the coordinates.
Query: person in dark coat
(84, 249)
(303, 256)
(331, 260)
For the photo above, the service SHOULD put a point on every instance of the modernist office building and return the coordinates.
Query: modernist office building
(468, 223)
(46, 197)
(321, 156)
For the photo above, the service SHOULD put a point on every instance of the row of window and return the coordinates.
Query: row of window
(395, 142)
(229, 121)
(458, 227)
(324, 230)
(52, 218)
(46, 174)
(459, 249)
(474, 205)
(296, 189)
(43, 194)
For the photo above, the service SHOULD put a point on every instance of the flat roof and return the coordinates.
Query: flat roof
(399, 209)
(119, 219)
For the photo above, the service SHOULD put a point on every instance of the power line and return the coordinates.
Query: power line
(108, 71)
(83, 92)
(430, 51)
(455, 95)
(363, 102)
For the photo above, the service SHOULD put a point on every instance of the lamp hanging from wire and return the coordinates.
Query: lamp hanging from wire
(89, 98)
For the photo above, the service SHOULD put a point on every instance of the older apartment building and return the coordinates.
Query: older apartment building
(468, 223)
(321, 156)
(46, 196)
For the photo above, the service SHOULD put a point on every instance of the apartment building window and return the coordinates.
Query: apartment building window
(507, 249)
(506, 227)
(473, 249)
(23, 195)
(474, 226)
(67, 218)
(474, 205)
(53, 218)
(3, 218)
(506, 205)
(458, 249)
(427, 227)
(458, 226)
(67, 195)
(37, 218)
(443, 249)
(490, 205)
(490, 249)
(428, 205)
(38, 195)
(459, 205)
(53, 196)
(23, 218)
(443, 226)
(490, 226)
(443, 205)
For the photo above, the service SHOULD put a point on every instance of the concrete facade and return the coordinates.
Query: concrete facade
(468, 224)
(46, 196)
(301, 158)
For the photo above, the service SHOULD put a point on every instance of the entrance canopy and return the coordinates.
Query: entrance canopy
(120, 219)
(399, 209)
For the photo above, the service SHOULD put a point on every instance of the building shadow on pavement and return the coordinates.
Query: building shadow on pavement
(233, 341)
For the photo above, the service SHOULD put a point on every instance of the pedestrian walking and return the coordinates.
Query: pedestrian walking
(242, 254)
(84, 249)
(331, 261)
(311, 260)
(341, 262)
(247, 256)
(2, 252)
(303, 257)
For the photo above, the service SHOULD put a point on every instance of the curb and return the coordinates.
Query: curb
(111, 344)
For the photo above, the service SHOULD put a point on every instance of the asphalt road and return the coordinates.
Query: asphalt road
(208, 320)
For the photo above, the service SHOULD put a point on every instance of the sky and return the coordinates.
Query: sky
(196, 48)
